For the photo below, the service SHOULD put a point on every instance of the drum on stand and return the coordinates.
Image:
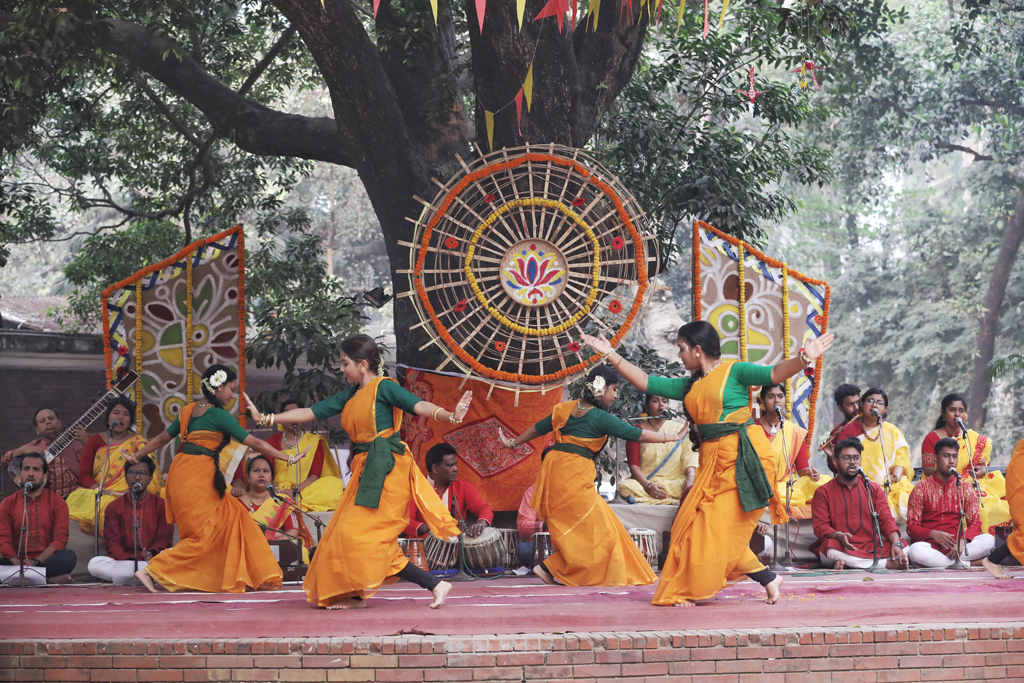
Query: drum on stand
(646, 541)
(511, 539)
(542, 548)
(441, 554)
(486, 551)
(413, 549)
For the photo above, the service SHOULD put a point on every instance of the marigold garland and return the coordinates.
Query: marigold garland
(241, 323)
(188, 329)
(138, 356)
(495, 313)
(743, 306)
(787, 385)
(471, 178)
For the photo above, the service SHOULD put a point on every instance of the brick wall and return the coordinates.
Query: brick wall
(839, 655)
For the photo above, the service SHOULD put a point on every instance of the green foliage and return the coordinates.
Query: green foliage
(1006, 364)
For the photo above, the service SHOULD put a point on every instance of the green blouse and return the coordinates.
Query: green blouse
(214, 420)
(389, 395)
(736, 395)
(594, 424)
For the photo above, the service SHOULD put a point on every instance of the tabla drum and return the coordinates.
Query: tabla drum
(511, 539)
(542, 548)
(486, 551)
(413, 549)
(646, 541)
(441, 554)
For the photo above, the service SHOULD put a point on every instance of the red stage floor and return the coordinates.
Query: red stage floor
(510, 605)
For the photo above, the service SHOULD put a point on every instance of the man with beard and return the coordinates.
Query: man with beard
(63, 470)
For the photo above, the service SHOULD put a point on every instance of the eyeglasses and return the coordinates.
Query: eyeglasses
(137, 473)
(874, 402)
(849, 458)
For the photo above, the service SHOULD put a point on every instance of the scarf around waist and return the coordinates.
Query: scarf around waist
(751, 481)
(380, 460)
(575, 449)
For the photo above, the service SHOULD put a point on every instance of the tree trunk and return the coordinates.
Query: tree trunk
(1006, 257)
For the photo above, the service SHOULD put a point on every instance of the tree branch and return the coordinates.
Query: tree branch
(997, 104)
(248, 124)
(978, 156)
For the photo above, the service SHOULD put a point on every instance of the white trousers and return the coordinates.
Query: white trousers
(850, 561)
(117, 572)
(924, 555)
(768, 544)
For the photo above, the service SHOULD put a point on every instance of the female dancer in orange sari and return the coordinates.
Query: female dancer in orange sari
(711, 532)
(591, 546)
(221, 547)
(359, 551)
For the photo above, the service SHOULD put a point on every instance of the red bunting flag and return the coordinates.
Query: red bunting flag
(376, 6)
(705, 18)
(554, 8)
(519, 111)
(481, 7)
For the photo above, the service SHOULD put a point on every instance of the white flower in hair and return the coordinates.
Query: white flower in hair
(218, 379)
(597, 385)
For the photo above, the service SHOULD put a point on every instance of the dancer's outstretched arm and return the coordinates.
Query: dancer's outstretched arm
(628, 371)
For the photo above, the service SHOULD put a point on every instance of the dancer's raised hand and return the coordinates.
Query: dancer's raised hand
(256, 414)
(598, 343)
(463, 406)
(816, 346)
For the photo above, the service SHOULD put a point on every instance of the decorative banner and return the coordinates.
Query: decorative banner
(749, 307)
(501, 474)
(521, 251)
(174, 319)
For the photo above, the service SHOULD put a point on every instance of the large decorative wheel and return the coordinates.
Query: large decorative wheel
(519, 252)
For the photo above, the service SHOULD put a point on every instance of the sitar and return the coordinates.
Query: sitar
(95, 410)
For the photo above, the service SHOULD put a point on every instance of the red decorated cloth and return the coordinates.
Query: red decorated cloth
(462, 498)
(934, 506)
(155, 533)
(838, 508)
(47, 524)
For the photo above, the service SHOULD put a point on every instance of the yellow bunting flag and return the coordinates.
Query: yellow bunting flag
(595, 10)
(682, 11)
(489, 118)
(721, 19)
(528, 87)
(520, 8)
(433, 8)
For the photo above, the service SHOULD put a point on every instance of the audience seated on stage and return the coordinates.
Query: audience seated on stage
(276, 517)
(109, 449)
(972, 461)
(660, 473)
(886, 458)
(461, 498)
(842, 518)
(147, 515)
(784, 434)
(63, 476)
(847, 398)
(317, 476)
(46, 538)
(934, 515)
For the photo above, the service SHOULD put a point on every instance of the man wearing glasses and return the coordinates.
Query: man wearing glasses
(146, 519)
(886, 457)
(841, 513)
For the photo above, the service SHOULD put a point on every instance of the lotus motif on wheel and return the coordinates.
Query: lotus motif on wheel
(534, 276)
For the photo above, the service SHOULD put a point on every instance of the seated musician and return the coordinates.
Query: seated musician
(63, 470)
(461, 498)
(972, 461)
(847, 398)
(886, 458)
(108, 449)
(659, 472)
(122, 518)
(784, 434)
(276, 517)
(317, 476)
(842, 518)
(46, 539)
(934, 514)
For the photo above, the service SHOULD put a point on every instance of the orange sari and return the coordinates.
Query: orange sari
(1015, 497)
(359, 551)
(591, 546)
(710, 545)
(221, 550)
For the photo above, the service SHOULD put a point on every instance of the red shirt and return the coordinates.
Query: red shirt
(463, 498)
(47, 524)
(526, 521)
(62, 472)
(155, 533)
(316, 468)
(934, 506)
(838, 508)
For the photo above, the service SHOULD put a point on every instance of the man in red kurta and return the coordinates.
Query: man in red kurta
(842, 518)
(933, 515)
(62, 477)
(461, 498)
(46, 539)
(154, 532)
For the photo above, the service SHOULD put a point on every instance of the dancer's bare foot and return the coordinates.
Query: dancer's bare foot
(544, 576)
(146, 580)
(268, 586)
(840, 565)
(774, 590)
(348, 603)
(994, 569)
(440, 592)
(685, 603)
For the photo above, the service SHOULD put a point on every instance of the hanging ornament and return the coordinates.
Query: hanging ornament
(753, 93)
(481, 8)
(721, 19)
(807, 66)
(489, 122)
(520, 8)
(519, 111)
(556, 9)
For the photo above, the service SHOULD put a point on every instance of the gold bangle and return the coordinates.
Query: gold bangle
(433, 414)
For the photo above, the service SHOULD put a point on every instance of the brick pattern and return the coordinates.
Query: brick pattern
(837, 655)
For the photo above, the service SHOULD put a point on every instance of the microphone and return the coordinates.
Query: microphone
(28, 486)
(962, 426)
(860, 473)
(115, 423)
(273, 493)
(874, 411)
(955, 474)
(778, 411)
(137, 487)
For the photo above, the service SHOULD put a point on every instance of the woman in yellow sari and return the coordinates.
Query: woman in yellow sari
(221, 547)
(659, 472)
(1015, 497)
(972, 461)
(784, 434)
(591, 547)
(359, 550)
(317, 478)
(119, 418)
(710, 545)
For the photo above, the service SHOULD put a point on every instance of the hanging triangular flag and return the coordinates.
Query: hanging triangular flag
(658, 20)
(520, 8)
(556, 9)
(376, 6)
(489, 119)
(433, 8)
(573, 15)
(519, 111)
(682, 11)
(721, 19)
(528, 87)
(594, 10)
(705, 19)
(481, 7)
(626, 10)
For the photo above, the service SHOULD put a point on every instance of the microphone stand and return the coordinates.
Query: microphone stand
(961, 525)
(23, 538)
(790, 484)
(317, 524)
(135, 528)
(885, 461)
(99, 494)
(970, 461)
(876, 531)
